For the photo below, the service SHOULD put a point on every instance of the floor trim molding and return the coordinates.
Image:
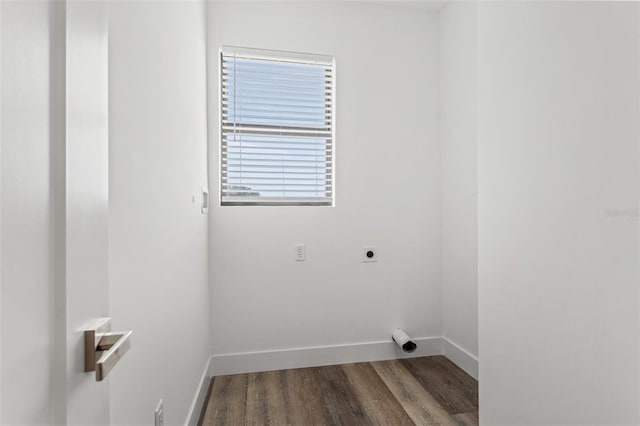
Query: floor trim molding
(250, 362)
(460, 357)
(193, 416)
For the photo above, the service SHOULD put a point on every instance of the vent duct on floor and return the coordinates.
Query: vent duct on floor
(403, 340)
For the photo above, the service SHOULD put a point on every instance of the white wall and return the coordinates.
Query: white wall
(387, 188)
(25, 271)
(558, 212)
(458, 136)
(158, 237)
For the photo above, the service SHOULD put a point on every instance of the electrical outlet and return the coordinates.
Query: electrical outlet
(369, 254)
(160, 413)
(301, 253)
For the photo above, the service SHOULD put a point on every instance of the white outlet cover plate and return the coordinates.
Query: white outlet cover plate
(367, 249)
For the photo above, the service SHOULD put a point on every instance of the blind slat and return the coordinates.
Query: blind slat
(249, 148)
(270, 187)
(277, 84)
(226, 173)
(237, 93)
(248, 167)
(270, 140)
(321, 120)
(240, 181)
(273, 111)
(275, 67)
(268, 100)
(278, 191)
(283, 160)
(270, 130)
(229, 73)
(277, 156)
(272, 104)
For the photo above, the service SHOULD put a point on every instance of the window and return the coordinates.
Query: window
(277, 128)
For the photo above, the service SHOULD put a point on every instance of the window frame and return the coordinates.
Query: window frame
(278, 56)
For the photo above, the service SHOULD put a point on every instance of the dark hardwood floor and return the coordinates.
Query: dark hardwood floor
(421, 391)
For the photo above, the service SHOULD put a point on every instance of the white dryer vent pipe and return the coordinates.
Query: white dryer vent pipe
(403, 340)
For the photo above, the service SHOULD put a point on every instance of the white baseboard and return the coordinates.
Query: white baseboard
(249, 362)
(460, 357)
(193, 416)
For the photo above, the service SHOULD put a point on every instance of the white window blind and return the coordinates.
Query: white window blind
(277, 128)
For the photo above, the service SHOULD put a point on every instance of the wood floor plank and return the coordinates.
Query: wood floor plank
(265, 399)
(205, 405)
(464, 382)
(466, 419)
(448, 390)
(419, 404)
(228, 401)
(256, 409)
(374, 396)
(341, 404)
(275, 388)
(303, 402)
